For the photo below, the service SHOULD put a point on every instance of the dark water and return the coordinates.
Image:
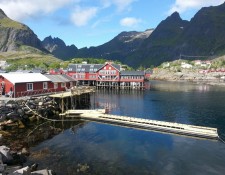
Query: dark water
(108, 149)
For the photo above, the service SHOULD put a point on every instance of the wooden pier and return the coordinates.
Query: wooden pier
(139, 123)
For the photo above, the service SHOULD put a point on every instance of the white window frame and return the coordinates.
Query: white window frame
(45, 85)
(30, 86)
(55, 85)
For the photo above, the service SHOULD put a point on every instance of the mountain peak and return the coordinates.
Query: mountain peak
(2, 14)
(175, 16)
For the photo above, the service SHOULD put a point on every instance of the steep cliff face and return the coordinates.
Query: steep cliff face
(206, 32)
(162, 45)
(14, 34)
(58, 48)
(204, 35)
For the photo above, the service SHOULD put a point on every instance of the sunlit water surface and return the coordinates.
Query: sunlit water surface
(108, 149)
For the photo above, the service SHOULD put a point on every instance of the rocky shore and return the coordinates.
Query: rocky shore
(212, 78)
(21, 126)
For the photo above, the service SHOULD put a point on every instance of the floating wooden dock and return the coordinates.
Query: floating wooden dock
(168, 127)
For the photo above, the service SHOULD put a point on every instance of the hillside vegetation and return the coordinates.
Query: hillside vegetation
(28, 57)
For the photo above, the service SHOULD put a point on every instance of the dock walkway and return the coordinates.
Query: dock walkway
(168, 127)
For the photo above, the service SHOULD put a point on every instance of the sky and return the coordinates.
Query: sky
(86, 23)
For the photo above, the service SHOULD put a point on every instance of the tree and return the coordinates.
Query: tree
(55, 65)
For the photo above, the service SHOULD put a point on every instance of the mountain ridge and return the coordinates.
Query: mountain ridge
(58, 48)
(203, 35)
(14, 34)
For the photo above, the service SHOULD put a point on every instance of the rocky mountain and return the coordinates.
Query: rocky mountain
(58, 48)
(118, 48)
(13, 35)
(203, 35)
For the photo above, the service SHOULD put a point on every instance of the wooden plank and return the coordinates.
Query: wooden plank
(183, 129)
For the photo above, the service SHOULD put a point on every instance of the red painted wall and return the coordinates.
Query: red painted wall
(105, 71)
(7, 84)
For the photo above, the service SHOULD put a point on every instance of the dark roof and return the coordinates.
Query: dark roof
(68, 77)
(59, 78)
(38, 70)
(84, 67)
(129, 73)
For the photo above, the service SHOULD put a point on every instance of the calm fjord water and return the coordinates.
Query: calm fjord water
(108, 149)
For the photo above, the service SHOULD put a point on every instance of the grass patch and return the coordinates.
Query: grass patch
(7, 22)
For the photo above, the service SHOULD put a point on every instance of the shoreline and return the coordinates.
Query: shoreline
(208, 82)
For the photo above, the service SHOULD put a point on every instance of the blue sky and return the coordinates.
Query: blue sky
(86, 23)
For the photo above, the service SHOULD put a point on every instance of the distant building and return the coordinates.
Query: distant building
(186, 65)
(108, 75)
(201, 63)
(3, 64)
(165, 65)
(57, 71)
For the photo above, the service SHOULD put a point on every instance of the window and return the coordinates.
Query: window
(92, 76)
(45, 85)
(29, 86)
(55, 85)
(63, 85)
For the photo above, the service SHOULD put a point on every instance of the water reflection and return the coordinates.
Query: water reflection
(181, 86)
(108, 149)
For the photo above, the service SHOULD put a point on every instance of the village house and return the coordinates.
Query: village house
(203, 63)
(60, 82)
(108, 75)
(134, 79)
(28, 84)
(84, 74)
(23, 84)
(186, 65)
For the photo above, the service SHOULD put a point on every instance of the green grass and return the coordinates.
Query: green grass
(31, 58)
(7, 22)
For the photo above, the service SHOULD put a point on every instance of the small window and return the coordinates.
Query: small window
(29, 86)
(63, 85)
(45, 85)
(55, 85)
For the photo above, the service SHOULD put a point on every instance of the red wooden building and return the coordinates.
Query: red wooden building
(106, 75)
(27, 84)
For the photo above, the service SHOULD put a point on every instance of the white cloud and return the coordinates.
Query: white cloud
(121, 5)
(80, 17)
(23, 9)
(129, 22)
(184, 5)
